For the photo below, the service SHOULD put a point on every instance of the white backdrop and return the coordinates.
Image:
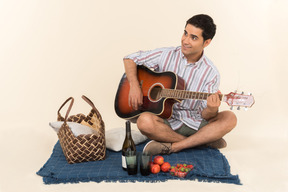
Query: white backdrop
(51, 50)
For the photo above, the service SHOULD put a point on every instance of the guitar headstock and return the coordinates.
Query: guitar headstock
(239, 100)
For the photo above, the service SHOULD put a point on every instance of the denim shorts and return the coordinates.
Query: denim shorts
(186, 130)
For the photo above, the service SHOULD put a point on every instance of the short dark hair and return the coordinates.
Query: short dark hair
(204, 22)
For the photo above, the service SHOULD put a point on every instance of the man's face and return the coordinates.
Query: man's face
(192, 42)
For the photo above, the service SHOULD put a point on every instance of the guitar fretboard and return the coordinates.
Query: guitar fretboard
(182, 94)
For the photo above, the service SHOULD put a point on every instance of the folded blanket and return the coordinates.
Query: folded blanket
(209, 165)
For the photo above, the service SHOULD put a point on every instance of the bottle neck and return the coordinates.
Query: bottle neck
(128, 132)
(128, 129)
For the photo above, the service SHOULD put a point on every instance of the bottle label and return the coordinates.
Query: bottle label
(124, 162)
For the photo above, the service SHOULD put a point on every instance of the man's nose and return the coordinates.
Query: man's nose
(185, 39)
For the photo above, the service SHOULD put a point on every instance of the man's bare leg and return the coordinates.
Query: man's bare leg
(155, 128)
(219, 126)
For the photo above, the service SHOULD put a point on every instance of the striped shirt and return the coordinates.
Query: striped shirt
(201, 76)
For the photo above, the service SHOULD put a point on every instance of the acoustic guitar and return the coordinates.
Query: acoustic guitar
(161, 90)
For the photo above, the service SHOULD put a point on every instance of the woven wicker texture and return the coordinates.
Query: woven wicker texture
(90, 147)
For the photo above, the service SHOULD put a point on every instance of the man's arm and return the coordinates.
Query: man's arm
(135, 93)
(147, 58)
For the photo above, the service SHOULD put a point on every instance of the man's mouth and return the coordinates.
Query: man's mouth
(186, 46)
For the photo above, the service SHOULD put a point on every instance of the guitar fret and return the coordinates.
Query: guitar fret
(176, 95)
(193, 95)
(168, 93)
(202, 96)
(205, 96)
(182, 94)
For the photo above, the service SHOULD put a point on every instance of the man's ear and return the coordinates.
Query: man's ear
(207, 42)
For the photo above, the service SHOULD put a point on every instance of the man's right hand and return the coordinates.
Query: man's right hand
(135, 96)
(135, 92)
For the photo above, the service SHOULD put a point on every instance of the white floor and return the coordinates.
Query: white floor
(260, 162)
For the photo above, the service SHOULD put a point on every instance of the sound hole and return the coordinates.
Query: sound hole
(155, 93)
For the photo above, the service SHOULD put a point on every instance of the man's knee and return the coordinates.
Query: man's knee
(145, 123)
(229, 119)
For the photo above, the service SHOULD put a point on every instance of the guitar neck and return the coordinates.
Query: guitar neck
(182, 94)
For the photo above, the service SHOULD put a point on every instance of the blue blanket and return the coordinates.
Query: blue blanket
(209, 165)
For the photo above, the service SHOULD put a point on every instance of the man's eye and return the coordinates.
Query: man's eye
(194, 38)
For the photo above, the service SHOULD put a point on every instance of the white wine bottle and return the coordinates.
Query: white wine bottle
(128, 144)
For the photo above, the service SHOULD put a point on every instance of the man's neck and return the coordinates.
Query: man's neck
(194, 58)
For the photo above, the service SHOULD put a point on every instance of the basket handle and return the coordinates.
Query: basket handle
(68, 110)
(93, 107)
(89, 102)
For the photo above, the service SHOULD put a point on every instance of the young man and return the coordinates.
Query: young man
(193, 122)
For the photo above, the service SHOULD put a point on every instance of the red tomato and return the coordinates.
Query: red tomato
(155, 168)
(158, 160)
(165, 167)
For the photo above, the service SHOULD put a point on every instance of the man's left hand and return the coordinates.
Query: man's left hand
(213, 102)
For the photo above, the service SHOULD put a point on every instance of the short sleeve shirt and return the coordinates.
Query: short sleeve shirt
(201, 76)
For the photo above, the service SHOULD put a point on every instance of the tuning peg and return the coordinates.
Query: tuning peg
(231, 108)
(242, 93)
(245, 108)
(238, 108)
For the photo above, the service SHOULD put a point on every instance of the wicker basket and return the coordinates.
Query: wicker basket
(89, 147)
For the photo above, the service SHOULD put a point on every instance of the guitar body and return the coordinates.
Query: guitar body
(151, 83)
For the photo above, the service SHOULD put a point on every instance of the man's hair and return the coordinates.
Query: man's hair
(204, 22)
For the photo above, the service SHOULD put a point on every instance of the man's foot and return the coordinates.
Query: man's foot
(219, 144)
(157, 148)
